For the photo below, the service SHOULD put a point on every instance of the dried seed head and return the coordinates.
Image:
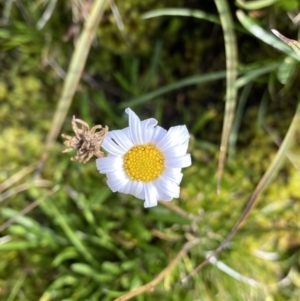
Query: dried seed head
(86, 141)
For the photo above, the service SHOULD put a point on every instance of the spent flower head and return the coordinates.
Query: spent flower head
(86, 141)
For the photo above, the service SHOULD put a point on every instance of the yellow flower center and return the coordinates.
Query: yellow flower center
(144, 163)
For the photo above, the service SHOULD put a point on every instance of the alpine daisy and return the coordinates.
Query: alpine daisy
(145, 160)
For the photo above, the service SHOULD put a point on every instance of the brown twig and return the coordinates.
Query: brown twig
(180, 211)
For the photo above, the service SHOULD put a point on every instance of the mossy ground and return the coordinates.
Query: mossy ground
(86, 243)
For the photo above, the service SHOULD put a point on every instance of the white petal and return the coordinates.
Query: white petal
(135, 128)
(148, 129)
(109, 164)
(159, 134)
(122, 139)
(117, 184)
(164, 197)
(149, 123)
(135, 188)
(139, 191)
(126, 188)
(176, 135)
(178, 162)
(119, 175)
(150, 195)
(111, 147)
(176, 151)
(167, 187)
(173, 175)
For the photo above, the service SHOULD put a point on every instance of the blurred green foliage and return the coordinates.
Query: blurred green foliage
(85, 242)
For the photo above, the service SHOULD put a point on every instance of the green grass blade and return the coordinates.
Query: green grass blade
(193, 80)
(262, 110)
(206, 117)
(68, 230)
(107, 108)
(264, 35)
(255, 73)
(252, 5)
(86, 270)
(231, 75)
(238, 120)
(65, 254)
(153, 66)
(198, 79)
(14, 292)
(181, 12)
(18, 245)
(74, 73)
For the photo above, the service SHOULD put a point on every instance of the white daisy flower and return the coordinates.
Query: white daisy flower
(145, 160)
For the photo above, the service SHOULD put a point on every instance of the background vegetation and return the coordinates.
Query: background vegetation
(64, 234)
